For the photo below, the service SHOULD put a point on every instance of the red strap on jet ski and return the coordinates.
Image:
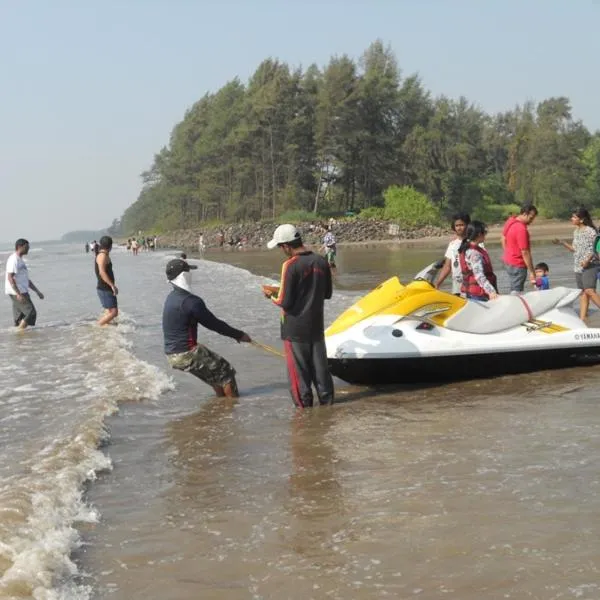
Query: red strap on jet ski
(527, 308)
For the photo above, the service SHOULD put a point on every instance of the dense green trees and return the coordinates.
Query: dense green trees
(335, 139)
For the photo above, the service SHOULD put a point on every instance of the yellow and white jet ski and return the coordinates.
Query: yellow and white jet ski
(416, 333)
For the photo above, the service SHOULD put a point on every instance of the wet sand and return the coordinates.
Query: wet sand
(478, 489)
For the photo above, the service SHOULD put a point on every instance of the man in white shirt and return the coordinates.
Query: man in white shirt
(451, 263)
(17, 284)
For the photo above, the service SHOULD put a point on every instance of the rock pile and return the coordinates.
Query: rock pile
(257, 234)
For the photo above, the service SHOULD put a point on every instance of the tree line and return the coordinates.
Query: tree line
(333, 140)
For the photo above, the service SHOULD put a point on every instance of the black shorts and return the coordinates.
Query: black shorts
(587, 279)
(107, 298)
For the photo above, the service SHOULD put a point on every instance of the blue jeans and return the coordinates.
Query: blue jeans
(516, 277)
(477, 298)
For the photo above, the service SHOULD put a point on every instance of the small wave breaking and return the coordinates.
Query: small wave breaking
(42, 498)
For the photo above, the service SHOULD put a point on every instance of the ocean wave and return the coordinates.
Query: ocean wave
(42, 499)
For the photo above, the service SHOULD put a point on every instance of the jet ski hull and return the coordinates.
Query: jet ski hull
(418, 334)
(437, 369)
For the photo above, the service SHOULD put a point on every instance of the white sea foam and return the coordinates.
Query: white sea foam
(85, 372)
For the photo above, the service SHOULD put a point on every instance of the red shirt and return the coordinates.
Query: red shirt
(516, 237)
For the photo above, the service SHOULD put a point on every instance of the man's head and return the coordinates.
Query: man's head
(459, 224)
(106, 243)
(22, 246)
(176, 267)
(528, 213)
(287, 237)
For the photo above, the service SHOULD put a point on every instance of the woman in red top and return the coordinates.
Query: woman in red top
(479, 280)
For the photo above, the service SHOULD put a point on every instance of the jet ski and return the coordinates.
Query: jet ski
(416, 333)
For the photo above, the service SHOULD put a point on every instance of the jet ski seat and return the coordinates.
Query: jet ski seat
(508, 311)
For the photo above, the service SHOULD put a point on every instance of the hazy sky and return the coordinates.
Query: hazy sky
(90, 89)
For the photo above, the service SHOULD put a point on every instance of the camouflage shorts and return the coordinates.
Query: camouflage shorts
(204, 364)
(330, 255)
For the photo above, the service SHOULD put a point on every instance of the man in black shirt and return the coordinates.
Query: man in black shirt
(182, 313)
(106, 288)
(305, 285)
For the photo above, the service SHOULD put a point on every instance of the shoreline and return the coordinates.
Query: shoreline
(352, 234)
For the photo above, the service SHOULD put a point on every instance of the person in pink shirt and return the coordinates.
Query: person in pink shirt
(517, 248)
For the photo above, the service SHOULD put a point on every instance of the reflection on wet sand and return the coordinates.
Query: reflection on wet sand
(315, 502)
(264, 504)
(464, 491)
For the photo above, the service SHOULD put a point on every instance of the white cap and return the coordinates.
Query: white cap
(284, 234)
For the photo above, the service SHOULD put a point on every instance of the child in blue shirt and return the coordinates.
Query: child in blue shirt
(542, 282)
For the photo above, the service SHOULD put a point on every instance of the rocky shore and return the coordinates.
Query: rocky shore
(348, 232)
(256, 235)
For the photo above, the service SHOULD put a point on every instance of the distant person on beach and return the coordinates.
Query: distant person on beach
(542, 280)
(182, 313)
(330, 247)
(517, 248)
(201, 245)
(305, 285)
(17, 284)
(134, 246)
(105, 287)
(459, 224)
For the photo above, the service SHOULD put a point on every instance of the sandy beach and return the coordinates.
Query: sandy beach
(541, 230)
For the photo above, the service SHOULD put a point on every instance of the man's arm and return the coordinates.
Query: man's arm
(287, 291)
(207, 319)
(102, 261)
(36, 290)
(525, 246)
(526, 254)
(503, 241)
(445, 271)
(13, 284)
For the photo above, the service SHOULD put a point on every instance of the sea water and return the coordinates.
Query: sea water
(121, 479)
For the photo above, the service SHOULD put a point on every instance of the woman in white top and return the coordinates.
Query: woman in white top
(585, 258)
(459, 225)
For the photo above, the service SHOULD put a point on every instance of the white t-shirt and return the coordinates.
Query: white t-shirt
(452, 256)
(15, 264)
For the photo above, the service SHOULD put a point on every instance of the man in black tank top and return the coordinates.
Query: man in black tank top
(106, 288)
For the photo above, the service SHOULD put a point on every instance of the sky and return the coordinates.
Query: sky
(90, 90)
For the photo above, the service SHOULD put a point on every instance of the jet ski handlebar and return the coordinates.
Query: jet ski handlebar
(429, 273)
